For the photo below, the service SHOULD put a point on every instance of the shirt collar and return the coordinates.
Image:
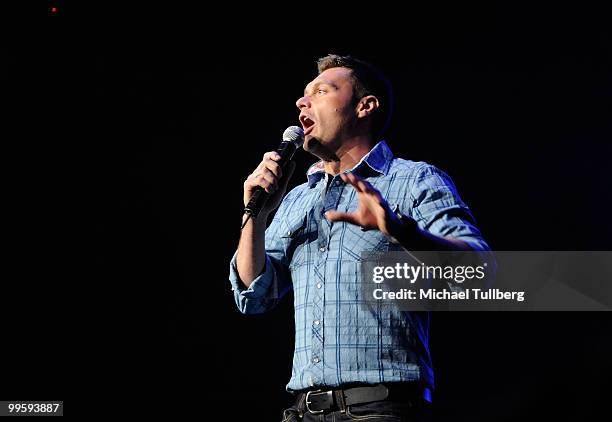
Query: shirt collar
(377, 159)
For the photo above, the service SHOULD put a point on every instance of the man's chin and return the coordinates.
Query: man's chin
(319, 149)
(311, 143)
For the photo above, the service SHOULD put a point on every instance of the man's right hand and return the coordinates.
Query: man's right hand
(269, 175)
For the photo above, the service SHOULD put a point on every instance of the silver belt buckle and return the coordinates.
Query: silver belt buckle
(308, 402)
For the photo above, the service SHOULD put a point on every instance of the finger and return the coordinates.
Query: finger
(365, 187)
(259, 182)
(342, 216)
(351, 179)
(272, 155)
(273, 166)
(354, 177)
(265, 172)
(268, 182)
(270, 172)
(270, 177)
(360, 185)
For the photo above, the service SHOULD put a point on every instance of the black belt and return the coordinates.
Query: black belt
(317, 401)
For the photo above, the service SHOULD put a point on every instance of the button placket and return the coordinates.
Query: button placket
(318, 294)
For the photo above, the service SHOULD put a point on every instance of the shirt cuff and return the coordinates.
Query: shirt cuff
(259, 288)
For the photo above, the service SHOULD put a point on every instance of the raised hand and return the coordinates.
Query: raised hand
(373, 211)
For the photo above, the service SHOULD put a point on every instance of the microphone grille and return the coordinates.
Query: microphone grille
(294, 134)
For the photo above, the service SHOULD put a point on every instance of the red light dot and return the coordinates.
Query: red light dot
(53, 9)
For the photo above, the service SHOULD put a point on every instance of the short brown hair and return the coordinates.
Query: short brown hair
(367, 80)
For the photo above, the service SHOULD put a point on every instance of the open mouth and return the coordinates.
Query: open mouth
(307, 123)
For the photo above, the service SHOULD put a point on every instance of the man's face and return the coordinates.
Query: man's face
(327, 112)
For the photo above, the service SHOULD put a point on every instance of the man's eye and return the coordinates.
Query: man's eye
(321, 91)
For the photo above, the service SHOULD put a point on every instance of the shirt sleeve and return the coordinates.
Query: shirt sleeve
(437, 208)
(274, 282)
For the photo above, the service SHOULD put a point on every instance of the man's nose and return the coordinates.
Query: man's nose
(303, 102)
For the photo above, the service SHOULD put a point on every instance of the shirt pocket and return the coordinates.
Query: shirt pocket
(357, 241)
(295, 238)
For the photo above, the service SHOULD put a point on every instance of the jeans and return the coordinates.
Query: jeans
(379, 411)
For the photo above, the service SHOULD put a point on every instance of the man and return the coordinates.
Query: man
(349, 362)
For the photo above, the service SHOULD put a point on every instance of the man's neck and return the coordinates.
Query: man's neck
(349, 154)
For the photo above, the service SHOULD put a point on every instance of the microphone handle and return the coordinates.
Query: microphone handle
(260, 196)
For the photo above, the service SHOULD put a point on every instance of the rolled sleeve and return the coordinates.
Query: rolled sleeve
(437, 208)
(270, 286)
(255, 298)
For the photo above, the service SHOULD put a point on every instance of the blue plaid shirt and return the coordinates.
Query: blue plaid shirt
(337, 340)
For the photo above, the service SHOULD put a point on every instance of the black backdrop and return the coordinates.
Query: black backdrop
(167, 115)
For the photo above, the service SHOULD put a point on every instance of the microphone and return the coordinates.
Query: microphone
(293, 138)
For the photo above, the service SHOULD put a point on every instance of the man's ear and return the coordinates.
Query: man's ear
(367, 105)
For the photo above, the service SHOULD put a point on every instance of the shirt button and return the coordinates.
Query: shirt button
(322, 248)
(316, 360)
(318, 285)
(317, 322)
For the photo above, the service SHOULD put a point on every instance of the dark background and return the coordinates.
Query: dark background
(150, 119)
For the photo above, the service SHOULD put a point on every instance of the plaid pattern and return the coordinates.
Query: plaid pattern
(338, 339)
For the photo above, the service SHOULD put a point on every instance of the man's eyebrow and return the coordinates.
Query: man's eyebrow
(316, 84)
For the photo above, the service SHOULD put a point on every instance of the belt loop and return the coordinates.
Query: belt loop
(299, 405)
(340, 400)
